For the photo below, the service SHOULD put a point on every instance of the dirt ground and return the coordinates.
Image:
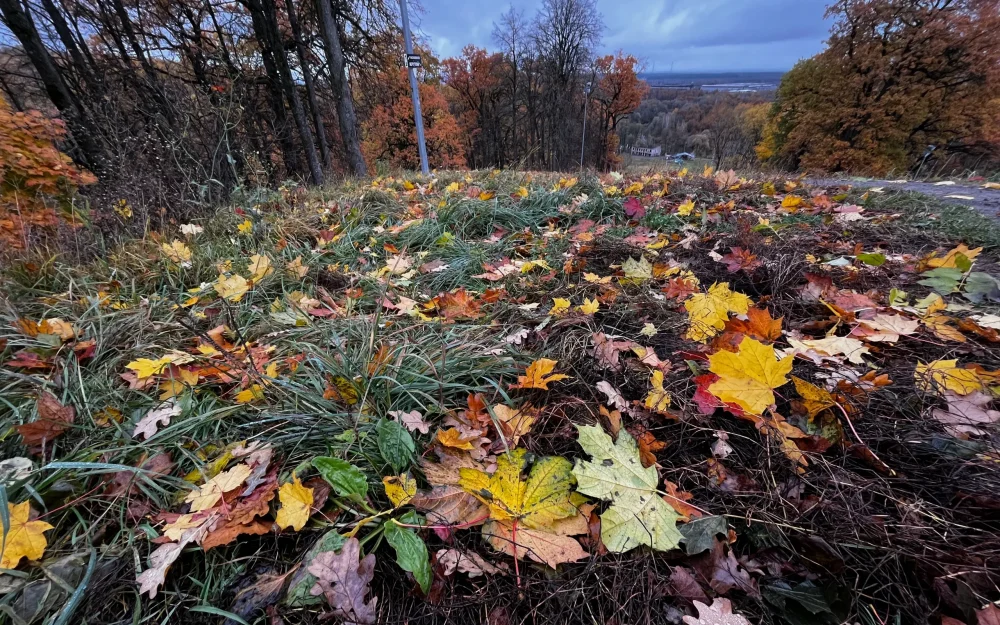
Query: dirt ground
(986, 201)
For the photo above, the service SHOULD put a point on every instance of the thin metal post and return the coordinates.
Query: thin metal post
(418, 116)
(586, 101)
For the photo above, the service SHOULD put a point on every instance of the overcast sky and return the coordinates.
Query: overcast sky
(687, 35)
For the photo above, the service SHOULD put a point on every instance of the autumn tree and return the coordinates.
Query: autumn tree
(37, 181)
(898, 75)
(390, 136)
(619, 93)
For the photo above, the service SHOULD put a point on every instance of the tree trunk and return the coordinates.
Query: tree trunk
(260, 26)
(91, 153)
(341, 89)
(291, 91)
(300, 49)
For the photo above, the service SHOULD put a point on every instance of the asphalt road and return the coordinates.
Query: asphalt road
(986, 201)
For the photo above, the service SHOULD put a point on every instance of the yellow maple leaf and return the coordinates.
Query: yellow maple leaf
(814, 399)
(951, 258)
(147, 367)
(593, 278)
(709, 312)
(559, 306)
(747, 377)
(260, 267)
(589, 306)
(536, 502)
(296, 504)
(686, 208)
(296, 268)
(658, 400)
(211, 492)
(452, 188)
(246, 227)
(63, 329)
(633, 189)
(454, 439)
(177, 252)
(409, 186)
(515, 422)
(400, 489)
(945, 375)
(522, 192)
(537, 375)
(253, 392)
(791, 201)
(22, 538)
(531, 264)
(487, 195)
(232, 288)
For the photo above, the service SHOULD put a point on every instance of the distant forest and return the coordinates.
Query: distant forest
(719, 125)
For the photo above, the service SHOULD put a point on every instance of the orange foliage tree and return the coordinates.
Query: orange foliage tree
(36, 178)
(618, 94)
(898, 75)
(475, 92)
(390, 135)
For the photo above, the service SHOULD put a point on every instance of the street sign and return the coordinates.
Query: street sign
(413, 61)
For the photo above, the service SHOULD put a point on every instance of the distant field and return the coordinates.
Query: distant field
(729, 81)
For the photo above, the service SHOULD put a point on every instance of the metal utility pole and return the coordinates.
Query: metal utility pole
(586, 101)
(412, 63)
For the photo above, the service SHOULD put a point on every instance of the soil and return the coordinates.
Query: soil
(986, 201)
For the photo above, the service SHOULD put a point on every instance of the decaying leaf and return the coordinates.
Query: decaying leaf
(53, 419)
(400, 489)
(638, 515)
(468, 562)
(719, 613)
(343, 578)
(211, 492)
(412, 421)
(966, 414)
(657, 400)
(945, 375)
(159, 416)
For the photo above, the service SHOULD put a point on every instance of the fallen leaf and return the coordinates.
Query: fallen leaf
(537, 375)
(546, 547)
(607, 350)
(400, 489)
(456, 439)
(211, 492)
(412, 421)
(657, 400)
(719, 613)
(53, 419)
(759, 325)
(966, 413)
(22, 538)
(296, 505)
(232, 288)
(615, 399)
(449, 505)
(637, 516)
(709, 312)
(747, 377)
(637, 271)
(161, 415)
(343, 579)
(831, 347)
(515, 422)
(945, 375)
(814, 398)
(469, 562)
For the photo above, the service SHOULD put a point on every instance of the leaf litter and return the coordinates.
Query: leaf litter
(598, 395)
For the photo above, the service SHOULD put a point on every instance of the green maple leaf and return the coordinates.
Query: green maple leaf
(638, 514)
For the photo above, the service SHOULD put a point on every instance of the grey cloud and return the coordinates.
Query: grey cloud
(708, 35)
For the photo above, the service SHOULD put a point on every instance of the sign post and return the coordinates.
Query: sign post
(412, 63)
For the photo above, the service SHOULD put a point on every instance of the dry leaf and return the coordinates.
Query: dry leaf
(747, 377)
(23, 538)
(719, 613)
(538, 375)
(161, 415)
(469, 562)
(342, 578)
(296, 505)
